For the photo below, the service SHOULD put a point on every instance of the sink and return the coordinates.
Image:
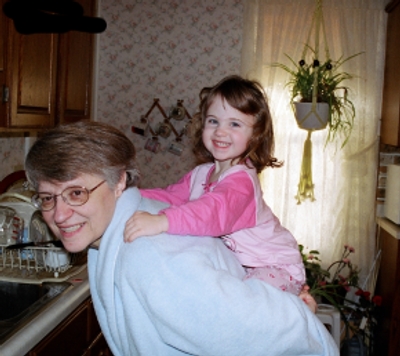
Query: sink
(20, 301)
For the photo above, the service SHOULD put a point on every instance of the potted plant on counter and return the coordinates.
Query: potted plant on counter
(338, 285)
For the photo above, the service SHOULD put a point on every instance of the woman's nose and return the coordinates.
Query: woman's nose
(62, 211)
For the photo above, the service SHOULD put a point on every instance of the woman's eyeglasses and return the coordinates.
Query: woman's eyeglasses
(74, 196)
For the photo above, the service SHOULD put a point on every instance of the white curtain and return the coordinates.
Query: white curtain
(344, 180)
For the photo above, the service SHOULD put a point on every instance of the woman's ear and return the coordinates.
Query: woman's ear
(121, 185)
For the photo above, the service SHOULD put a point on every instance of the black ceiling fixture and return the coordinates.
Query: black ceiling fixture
(51, 16)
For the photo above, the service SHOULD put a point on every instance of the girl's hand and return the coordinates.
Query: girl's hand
(144, 224)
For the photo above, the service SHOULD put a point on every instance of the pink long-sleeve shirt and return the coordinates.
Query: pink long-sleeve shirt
(232, 208)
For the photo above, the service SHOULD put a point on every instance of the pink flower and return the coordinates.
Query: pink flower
(346, 260)
(310, 257)
(352, 249)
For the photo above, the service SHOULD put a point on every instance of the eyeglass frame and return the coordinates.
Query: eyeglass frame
(54, 196)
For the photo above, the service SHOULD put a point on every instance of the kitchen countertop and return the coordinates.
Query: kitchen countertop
(22, 341)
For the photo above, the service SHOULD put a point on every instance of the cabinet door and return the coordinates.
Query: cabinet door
(388, 288)
(78, 334)
(75, 74)
(390, 126)
(68, 339)
(3, 52)
(48, 76)
(32, 79)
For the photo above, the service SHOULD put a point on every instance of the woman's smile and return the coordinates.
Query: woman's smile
(70, 229)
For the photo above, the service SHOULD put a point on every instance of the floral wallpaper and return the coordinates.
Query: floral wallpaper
(168, 50)
(164, 49)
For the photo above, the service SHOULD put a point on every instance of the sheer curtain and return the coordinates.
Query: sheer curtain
(344, 180)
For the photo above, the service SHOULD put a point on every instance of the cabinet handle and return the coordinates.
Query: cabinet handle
(6, 94)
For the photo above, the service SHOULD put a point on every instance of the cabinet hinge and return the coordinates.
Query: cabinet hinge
(5, 94)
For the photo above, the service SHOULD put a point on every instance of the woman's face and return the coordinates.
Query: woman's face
(78, 226)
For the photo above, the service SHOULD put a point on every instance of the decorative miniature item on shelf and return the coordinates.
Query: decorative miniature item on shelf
(142, 127)
(176, 148)
(163, 129)
(319, 99)
(177, 112)
(153, 145)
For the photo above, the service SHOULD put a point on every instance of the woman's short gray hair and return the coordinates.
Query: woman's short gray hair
(84, 147)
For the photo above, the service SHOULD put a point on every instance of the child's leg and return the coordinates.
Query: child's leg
(280, 278)
(276, 276)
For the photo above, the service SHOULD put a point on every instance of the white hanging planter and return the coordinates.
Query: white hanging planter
(309, 118)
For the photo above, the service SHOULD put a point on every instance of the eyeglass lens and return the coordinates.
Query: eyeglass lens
(73, 196)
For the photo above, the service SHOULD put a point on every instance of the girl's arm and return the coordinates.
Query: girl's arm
(229, 207)
(145, 224)
(174, 194)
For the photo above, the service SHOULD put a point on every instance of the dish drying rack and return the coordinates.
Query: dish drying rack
(39, 264)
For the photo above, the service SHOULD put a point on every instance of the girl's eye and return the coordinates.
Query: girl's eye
(235, 124)
(211, 121)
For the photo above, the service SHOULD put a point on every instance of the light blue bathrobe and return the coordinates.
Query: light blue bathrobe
(178, 295)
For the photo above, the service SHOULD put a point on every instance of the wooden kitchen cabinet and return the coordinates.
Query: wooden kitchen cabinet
(79, 334)
(45, 78)
(388, 287)
(390, 125)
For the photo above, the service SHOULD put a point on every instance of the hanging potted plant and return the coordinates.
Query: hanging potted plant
(318, 96)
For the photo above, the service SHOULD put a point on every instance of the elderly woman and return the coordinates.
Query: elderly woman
(160, 295)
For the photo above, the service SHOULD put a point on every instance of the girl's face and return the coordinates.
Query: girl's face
(79, 226)
(227, 131)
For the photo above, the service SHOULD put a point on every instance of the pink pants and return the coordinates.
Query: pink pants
(276, 276)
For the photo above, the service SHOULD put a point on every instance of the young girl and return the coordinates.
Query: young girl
(233, 138)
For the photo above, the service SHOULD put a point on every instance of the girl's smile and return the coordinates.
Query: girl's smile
(226, 133)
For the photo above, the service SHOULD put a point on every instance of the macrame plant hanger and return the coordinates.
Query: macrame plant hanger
(306, 186)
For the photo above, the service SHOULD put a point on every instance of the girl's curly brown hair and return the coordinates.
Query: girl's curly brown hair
(249, 98)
